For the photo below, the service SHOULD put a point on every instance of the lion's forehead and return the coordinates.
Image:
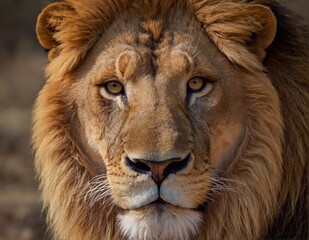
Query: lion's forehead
(157, 49)
(131, 63)
(168, 56)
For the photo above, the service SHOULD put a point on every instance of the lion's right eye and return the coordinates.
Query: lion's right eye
(196, 84)
(112, 87)
(199, 85)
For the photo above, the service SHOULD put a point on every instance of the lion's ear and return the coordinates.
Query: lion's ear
(48, 23)
(263, 37)
(239, 29)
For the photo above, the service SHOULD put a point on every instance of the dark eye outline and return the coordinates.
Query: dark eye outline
(105, 84)
(205, 82)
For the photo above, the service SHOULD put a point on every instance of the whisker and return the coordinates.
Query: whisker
(222, 184)
(98, 190)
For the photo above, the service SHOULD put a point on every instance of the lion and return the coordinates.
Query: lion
(173, 120)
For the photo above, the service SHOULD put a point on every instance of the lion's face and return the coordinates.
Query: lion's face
(163, 116)
(164, 127)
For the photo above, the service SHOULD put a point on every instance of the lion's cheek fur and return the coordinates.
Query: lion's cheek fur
(252, 169)
(131, 193)
(226, 140)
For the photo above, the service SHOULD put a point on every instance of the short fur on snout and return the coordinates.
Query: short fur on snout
(244, 135)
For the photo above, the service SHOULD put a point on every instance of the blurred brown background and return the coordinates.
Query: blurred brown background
(21, 76)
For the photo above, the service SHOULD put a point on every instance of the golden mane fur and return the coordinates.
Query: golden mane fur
(271, 166)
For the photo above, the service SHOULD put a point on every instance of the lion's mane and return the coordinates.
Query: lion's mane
(65, 173)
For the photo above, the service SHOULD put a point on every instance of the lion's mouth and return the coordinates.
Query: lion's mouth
(159, 201)
(160, 205)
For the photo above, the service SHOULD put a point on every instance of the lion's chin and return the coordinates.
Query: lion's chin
(160, 221)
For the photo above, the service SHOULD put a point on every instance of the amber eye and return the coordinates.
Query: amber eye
(112, 87)
(196, 84)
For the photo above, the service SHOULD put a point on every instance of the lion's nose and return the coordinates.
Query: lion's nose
(158, 170)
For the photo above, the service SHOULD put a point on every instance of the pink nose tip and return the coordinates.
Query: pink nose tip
(158, 170)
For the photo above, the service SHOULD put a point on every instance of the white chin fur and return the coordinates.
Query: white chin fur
(160, 222)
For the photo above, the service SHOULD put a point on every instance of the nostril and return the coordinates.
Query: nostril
(139, 167)
(158, 170)
(175, 167)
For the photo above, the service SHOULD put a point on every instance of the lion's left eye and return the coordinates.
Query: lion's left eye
(196, 84)
(112, 87)
(199, 84)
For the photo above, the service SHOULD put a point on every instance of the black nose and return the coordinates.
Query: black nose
(158, 170)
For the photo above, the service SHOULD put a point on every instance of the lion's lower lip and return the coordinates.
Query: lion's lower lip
(159, 201)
